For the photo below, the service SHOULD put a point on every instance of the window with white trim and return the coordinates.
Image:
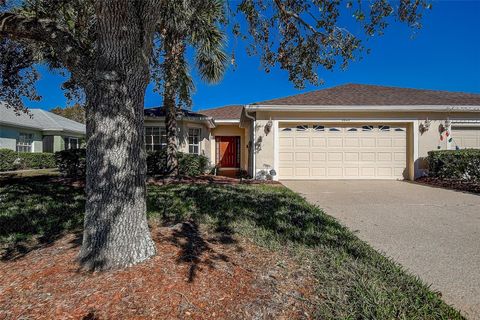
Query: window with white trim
(194, 140)
(384, 128)
(72, 143)
(287, 129)
(24, 142)
(318, 128)
(302, 128)
(367, 128)
(155, 138)
(352, 130)
(334, 129)
(400, 129)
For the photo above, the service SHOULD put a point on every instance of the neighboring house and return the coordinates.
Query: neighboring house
(39, 131)
(350, 131)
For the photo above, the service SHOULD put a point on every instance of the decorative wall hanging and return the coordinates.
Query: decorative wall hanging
(268, 127)
(425, 126)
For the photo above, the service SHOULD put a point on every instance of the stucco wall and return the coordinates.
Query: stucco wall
(264, 147)
(9, 136)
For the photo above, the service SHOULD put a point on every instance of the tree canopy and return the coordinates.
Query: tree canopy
(301, 37)
(75, 112)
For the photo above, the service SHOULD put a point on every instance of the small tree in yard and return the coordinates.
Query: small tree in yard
(108, 49)
(75, 112)
(195, 25)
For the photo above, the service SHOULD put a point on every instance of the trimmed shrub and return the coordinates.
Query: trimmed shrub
(192, 164)
(71, 163)
(12, 160)
(188, 164)
(38, 160)
(455, 164)
(7, 159)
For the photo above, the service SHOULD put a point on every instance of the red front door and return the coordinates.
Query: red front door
(228, 152)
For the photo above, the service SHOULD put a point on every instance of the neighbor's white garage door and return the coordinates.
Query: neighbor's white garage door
(466, 137)
(331, 151)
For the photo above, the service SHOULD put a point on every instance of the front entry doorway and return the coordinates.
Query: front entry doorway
(228, 155)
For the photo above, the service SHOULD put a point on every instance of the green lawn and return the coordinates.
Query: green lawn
(353, 281)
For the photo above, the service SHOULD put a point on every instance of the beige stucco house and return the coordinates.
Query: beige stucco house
(346, 132)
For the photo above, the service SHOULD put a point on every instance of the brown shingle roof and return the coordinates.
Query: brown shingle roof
(360, 94)
(227, 113)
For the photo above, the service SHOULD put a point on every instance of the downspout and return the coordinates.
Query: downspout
(254, 173)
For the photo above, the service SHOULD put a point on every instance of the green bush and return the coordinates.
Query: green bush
(7, 159)
(192, 164)
(12, 160)
(71, 162)
(188, 164)
(455, 164)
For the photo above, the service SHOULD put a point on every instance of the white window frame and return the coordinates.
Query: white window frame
(68, 143)
(367, 128)
(384, 128)
(301, 128)
(334, 129)
(25, 142)
(194, 138)
(155, 131)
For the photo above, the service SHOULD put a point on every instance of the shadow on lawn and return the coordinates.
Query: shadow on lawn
(36, 208)
(275, 212)
(194, 249)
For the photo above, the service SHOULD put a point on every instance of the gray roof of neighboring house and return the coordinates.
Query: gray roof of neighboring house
(40, 120)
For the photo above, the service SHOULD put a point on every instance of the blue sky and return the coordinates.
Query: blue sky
(443, 55)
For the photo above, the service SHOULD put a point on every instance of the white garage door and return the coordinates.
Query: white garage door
(466, 137)
(337, 151)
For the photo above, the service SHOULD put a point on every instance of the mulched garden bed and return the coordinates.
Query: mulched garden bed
(157, 180)
(195, 275)
(207, 179)
(454, 184)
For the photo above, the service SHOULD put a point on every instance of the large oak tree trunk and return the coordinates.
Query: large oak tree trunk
(116, 232)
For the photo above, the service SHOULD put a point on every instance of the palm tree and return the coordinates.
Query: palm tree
(198, 26)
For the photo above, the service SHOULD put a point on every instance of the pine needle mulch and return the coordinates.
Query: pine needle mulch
(194, 276)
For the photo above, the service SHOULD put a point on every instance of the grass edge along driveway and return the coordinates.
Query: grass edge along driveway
(353, 281)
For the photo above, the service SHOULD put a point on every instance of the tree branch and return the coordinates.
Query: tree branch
(46, 31)
(292, 14)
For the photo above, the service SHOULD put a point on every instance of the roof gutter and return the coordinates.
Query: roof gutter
(208, 120)
(363, 108)
(252, 146)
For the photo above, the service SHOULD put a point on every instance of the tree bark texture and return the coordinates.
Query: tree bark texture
(173, 51)
(116, 232)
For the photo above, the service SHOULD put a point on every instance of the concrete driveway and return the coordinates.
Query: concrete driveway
(434, 233)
